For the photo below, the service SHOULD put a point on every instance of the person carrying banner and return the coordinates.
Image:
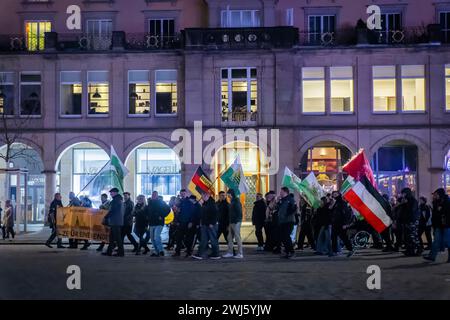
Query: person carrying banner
(104, 206)
(234, 229)
(52, 214)
(114, 219)
(73, 202)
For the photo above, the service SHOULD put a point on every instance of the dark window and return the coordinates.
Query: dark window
(444, 19)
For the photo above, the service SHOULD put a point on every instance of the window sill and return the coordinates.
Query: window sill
(147, 115)
(169, 115)
(27, 2)
(384, 112)
(98, 115)
(313, 113)
(30, 116)
(11, 116)
(71, 116)
(414, 112)
(345, 113)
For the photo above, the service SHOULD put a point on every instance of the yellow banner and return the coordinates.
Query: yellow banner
(82, 223)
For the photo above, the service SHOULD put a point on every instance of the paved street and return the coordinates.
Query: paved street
(34, 271)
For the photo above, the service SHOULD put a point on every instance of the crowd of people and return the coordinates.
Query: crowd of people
(280, 224)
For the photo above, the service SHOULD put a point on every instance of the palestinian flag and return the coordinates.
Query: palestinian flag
(369, 203)
(358, 167)
(200, 184)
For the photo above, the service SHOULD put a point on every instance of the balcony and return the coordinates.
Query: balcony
(144, 41)
(239, 118)
(240, 38)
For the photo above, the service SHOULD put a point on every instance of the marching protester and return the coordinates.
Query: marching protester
(224, 215)
(323, 219)
(410, 213)
(340, 218)
(397, 222)
(172, 226)
(209, 219)
(1, 222)
(441, 225)
(52, 214)
(141, 224)
(103, 206)
(306, 228)
(86, 203)
(184, 223)
(234, 229)
(8, 220)
(386, 234)
(258, 219)
(286, 208)
(73, 202)
(271, 227)
(127, 227)
(157, 210)
(114, 219)
(424, 223)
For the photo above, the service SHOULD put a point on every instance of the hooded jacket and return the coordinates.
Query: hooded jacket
(286, 210)
(259, 212)
(235, 211)
(114, 217)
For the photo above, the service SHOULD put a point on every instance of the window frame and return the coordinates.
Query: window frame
(136, 115)
(20, 94)
(324, 79)
(445, 31)
(424, 88)
(25, 22)
(446, 79)
(321, 31)
(164, 115)
(95, 115)
(395, 78)
(228, 12)
(61, 83)
(13, 84)
(353, 90)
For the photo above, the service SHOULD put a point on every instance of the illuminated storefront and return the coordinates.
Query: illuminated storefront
(255, 166)
(326, 159)
(395, 168)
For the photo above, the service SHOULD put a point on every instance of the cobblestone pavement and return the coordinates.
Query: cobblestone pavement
(37, 272)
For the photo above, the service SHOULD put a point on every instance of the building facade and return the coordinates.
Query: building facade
(308, 73)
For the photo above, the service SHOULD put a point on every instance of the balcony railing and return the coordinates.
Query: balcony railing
(144, 41)
(238, 118)
(82, 41)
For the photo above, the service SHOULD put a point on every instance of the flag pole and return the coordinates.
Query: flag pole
(108, 162)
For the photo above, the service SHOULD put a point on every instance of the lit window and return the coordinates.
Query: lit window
(320, 25)
(98, 93)
(313, 80)
(30, 94)
(413, 88)
(35, 34)
(166, 92)
(341, 89)
(139, 93)
(242, 104)
(6, 93)
(384, 89)
(71, 93)
(240, 18)
(447, 87)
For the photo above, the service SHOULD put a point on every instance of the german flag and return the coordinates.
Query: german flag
(200, 183)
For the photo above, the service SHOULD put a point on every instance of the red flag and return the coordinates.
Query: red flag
(358, 167)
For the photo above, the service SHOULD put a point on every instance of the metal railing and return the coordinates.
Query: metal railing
(239, 118)
(83, 41)
(145, 41)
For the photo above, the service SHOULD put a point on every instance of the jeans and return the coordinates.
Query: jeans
(208, 234)
(234, 233)
(259, 235)
(324, 241)
(126, 232)
(115, 238)
(155, 235)
(441, 240)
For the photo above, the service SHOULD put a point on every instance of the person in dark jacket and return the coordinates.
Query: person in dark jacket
(424, 223)
(234, 229)
(141, 223)
(258, 219)
(306, 229)
(271, 226)
(286, 209)
(410, 216)
(397, 223)
(73, 202)
(127, 227)
(114, 219)
(172, 226)
(224, 215)
(386, 234)
(157, 211)
(208, 221)
(185, 227)
(340, 217)
(323, 219)
(8, 220)
(440, 220)
(52, 213)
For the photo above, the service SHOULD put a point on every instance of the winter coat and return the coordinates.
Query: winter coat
(186, 211)
(140, 214)
(425, 215)
(157, 211)
(8, 217)
(114, 217)
(259, 212)
(52, 212)
(286, 208)
(210, 213)
(341, 214)
(128, 213)
(224, 214)
(441, 214)
(409, 211)
(323, 216)
(235, 211)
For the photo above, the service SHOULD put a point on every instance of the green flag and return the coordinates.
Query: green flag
(347, 185)
(290, 180)
(311, 190)
(234, 178)
(117, 165)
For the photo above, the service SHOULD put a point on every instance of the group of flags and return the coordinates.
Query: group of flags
(359, 189)
(233, 177)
